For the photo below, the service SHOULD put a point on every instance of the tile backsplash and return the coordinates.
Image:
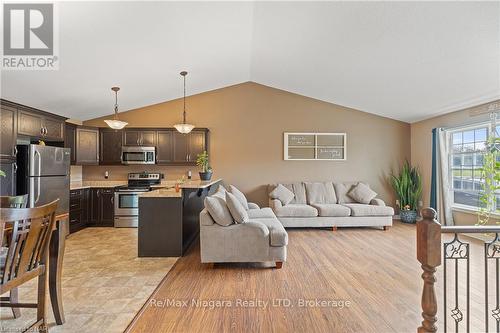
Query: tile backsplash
(120, 172)
(76, 173)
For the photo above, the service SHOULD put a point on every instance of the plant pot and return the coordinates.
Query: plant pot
(408, 216)
(206, 175)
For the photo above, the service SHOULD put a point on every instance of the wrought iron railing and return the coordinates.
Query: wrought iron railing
(456, 253)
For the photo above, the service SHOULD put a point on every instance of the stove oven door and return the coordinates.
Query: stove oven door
(127, 203)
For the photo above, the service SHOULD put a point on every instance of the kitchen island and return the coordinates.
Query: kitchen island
(169, 220)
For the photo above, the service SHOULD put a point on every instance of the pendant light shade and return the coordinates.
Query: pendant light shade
(184, 127)
(116, 123)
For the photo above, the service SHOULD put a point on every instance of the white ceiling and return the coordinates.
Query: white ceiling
(403, 60)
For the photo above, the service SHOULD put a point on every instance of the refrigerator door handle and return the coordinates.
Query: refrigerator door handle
(38, 190)
(39, 164)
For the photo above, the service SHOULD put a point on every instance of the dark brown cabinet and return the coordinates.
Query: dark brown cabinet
(87, 146)
(8, 118)
(197, 144)
(165, 147)
(78, 209)
(70, 141)
(133, 137)
(102, 211)
(8, 183)
(188, 146)
(110, 147)
(40, 125)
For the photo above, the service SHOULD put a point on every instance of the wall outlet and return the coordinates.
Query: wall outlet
(106, 174)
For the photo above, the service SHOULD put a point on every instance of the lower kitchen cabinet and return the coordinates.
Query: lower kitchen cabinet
(102, 207)
(78, 209)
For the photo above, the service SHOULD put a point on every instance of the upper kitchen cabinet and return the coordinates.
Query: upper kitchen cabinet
(110, 147)
(8, 116)
(38, 124)
(70, 141)
(188, 146)
(139, 137)
(165, 147)
(87, 146)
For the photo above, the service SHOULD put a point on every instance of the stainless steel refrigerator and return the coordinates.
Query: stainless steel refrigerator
(44, 174)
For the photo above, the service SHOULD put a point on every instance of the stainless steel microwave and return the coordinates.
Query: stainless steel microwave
(138, 155)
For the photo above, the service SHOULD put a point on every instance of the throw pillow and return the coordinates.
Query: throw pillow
(236, 209)
(221, 192)
(217, 208)
(362, 193)
(282, 194)
(240, 196)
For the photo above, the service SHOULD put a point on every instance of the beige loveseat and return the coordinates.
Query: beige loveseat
(328, 204)
(261, 239)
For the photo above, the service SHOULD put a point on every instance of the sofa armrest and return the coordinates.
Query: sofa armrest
(377, 202)
(252, 205)
(205, 218)
(275, 204)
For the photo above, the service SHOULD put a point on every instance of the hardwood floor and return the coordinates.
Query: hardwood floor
(373, 276)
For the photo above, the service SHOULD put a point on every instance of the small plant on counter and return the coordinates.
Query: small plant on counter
(202, 162)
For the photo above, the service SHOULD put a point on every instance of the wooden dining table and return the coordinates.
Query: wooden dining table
(55, 262)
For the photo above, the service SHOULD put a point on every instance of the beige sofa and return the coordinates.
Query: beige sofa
(262, 239)
(327, 204)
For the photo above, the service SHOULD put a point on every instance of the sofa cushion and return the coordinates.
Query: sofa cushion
(218, 210)
(221, 192)
(239, 195)
(296, 210)
(282, 194)
(260, 213)
(362, 193)
(277, 233)
(369, 210)
(341, 190)
(321, 193)
(236, 209)
(298, 190)
(332, 210)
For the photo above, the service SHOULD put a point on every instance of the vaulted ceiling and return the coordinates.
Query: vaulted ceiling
(403, 60)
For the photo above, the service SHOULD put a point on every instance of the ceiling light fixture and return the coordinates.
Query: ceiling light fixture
(184, 127)
(115, 123)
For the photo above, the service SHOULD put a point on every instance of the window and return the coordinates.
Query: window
(466, 161)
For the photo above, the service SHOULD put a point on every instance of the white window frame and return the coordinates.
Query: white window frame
(316, 134)
(462, 207)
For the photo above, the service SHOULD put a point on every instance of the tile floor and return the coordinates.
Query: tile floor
(104, 283)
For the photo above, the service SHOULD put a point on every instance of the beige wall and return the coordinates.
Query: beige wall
(247, 122)
(421, 147)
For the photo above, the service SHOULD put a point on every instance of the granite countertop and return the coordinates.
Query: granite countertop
(95, 183)
(165, 184)
(161, 193)
(199, 183)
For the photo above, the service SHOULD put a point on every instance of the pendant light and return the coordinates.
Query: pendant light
(184, 127)
(115, 123)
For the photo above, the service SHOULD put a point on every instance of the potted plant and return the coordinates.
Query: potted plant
(490, 182)
(202, 162)
(408, 188)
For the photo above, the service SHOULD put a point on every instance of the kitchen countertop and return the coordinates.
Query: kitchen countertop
(168, 184)
(95, 183)
(161, 193)
(199, 183)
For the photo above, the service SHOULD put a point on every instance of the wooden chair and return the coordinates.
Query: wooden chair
(27, 254)
(20, 201)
